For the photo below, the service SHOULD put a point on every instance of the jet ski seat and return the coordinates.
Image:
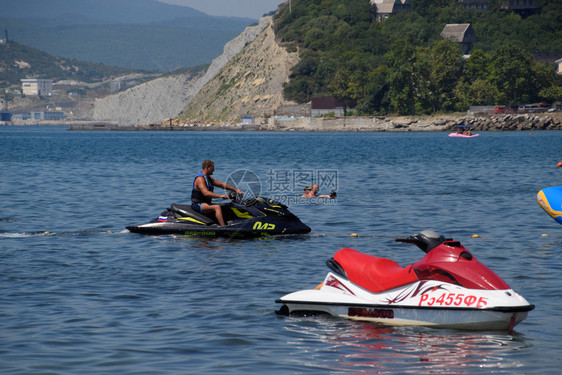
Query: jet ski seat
(373, 273)
(186, 211)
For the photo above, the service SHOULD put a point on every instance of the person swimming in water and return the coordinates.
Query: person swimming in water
(312, 192)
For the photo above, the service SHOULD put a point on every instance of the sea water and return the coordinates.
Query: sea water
(80, 294)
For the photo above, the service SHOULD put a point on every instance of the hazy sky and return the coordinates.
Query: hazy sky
(235, 8)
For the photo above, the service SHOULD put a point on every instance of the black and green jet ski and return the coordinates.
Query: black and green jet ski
(255, 217)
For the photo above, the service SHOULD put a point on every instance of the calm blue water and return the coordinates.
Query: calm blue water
(82, 295)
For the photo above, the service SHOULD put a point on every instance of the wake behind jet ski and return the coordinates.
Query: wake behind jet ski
(448, 288)
(255, 217)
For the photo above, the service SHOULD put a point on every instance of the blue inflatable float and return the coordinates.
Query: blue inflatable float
(550, 199)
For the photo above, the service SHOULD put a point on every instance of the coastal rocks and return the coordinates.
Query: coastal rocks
(528, 121)
(369, 124)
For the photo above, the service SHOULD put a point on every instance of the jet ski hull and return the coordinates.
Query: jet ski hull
(447, 288)
(248, 228)
(256, 217)
(423, 303)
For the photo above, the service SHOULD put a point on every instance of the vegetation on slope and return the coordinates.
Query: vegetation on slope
(403, 65)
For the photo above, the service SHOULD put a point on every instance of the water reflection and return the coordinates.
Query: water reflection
(363, 347)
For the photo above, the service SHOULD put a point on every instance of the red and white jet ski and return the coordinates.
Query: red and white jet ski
(447, 288)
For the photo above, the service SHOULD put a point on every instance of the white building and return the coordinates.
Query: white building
(247, 120)
(35, 86)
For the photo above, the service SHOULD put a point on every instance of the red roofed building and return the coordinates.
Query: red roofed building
(324, 105)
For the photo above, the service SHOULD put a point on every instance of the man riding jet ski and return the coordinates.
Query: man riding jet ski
(255, 217)
(202, 193)
(448, 287)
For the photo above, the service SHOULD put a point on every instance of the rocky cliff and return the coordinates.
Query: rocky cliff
(251, 84)
(149, 102)
(165, 97)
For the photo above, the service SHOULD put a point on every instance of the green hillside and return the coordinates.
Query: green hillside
(403, 65)
(18, 61)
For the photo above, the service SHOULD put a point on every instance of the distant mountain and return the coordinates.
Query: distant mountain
(113, 11)
(136, 34)
(18, 61)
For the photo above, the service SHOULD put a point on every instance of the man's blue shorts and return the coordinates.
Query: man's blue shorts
(196, 207)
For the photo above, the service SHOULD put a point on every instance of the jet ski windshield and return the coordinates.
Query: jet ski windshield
(425, 240)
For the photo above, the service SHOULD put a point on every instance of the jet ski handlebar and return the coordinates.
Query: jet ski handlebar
(238, 200)
(235, 197)
(425, 240)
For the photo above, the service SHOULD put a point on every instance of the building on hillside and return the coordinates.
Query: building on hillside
(520, 5)
(21, 116)
(247, 120)
(475, 4)
(28, 116)
(116, 85)
(5, 116)
(53, 115)
(35, 87)
(461, 33)
(559, 66)
(516, 5)
(387, 7)
(325, 105)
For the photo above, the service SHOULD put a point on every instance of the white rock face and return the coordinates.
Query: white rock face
(166, 97)
(147, 103)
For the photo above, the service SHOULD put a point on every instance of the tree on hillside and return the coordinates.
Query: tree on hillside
(478, 66)
(438, 70)
(402, 64)
(511, 71)
(401, 60)
(376, 87)
(479, 92)
(551, 94)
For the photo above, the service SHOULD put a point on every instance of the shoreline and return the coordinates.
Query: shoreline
(509, 122)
